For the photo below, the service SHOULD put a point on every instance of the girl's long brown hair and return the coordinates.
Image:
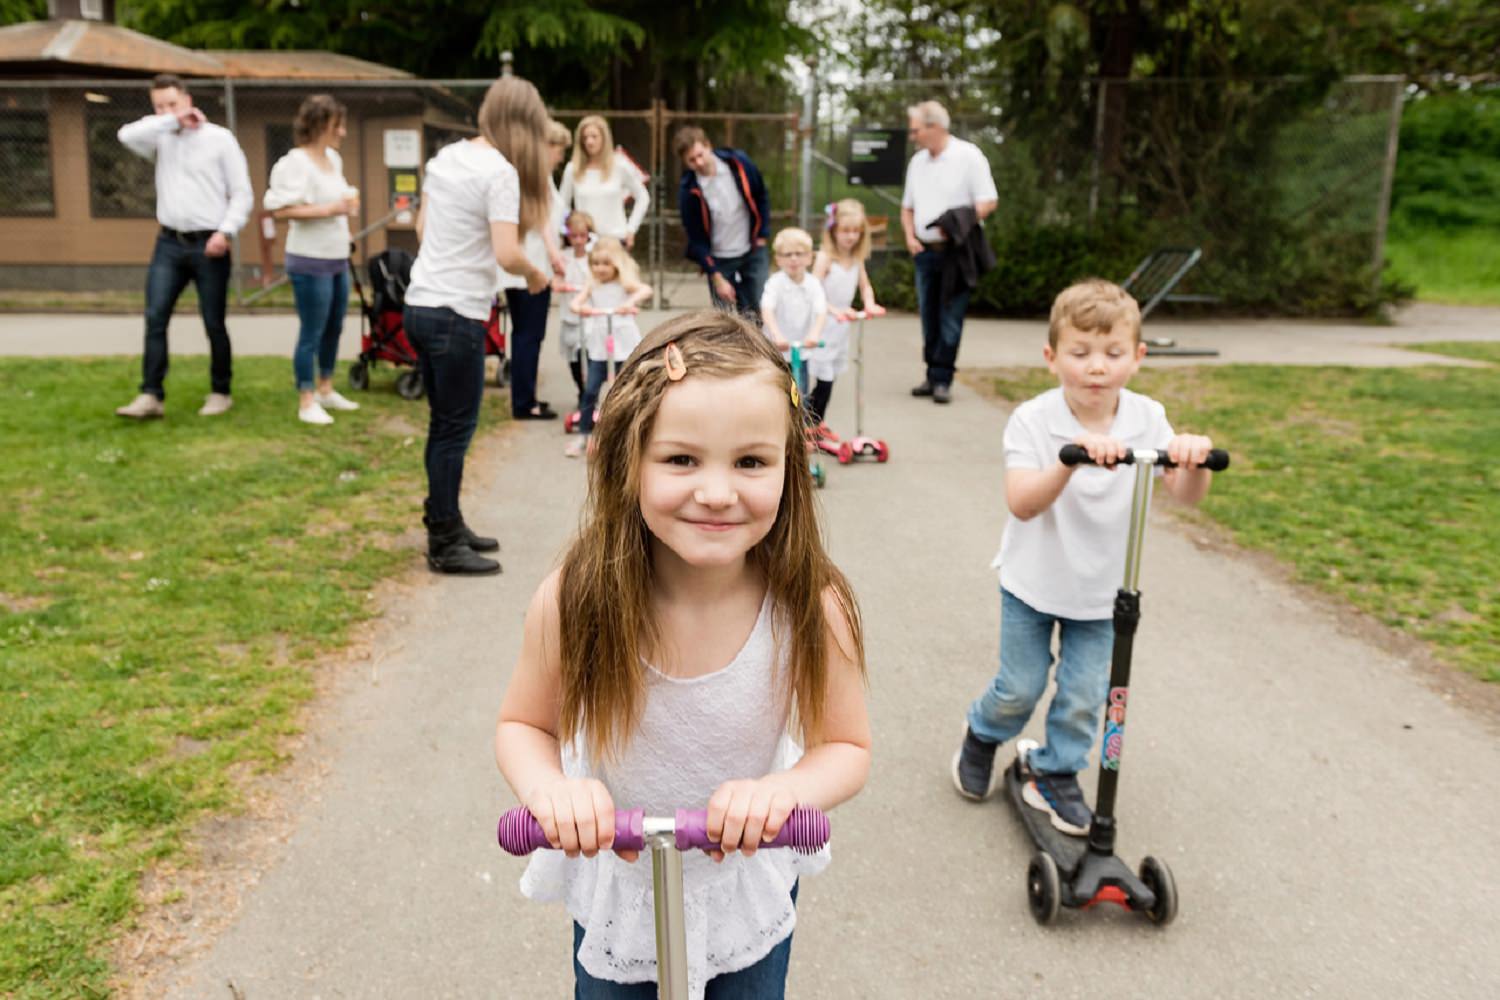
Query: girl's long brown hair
(608, 626)
(514, 120)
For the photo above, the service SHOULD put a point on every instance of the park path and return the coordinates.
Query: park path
(1326, 809)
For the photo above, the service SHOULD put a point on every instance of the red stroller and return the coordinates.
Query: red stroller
(382, 337)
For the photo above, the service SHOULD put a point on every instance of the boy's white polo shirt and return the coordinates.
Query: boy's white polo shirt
(1069, 560)
(958, 176)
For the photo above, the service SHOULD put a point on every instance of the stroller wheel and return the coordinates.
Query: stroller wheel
(359, 376)
(409, 385)
(502, 373)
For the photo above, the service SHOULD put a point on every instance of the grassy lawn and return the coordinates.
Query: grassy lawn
(1381, 486)
(164, 590)
(1460, 268)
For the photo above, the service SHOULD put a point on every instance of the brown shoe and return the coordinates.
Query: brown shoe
(143, 407)
(215, 404)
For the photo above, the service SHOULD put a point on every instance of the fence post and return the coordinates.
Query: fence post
(1387, 180)
(231, 122)
(805, 129)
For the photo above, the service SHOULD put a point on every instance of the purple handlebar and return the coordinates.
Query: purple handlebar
(805, 831)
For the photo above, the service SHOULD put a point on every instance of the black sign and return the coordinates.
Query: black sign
(877, 157)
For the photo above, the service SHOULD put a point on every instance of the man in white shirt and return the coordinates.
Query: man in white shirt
(947, 173)
(203, 198)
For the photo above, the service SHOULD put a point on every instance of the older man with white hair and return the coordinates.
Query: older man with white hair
(949, 192)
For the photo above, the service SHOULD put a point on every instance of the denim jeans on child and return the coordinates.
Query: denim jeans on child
(598, 375)
(450, 355)
(1025, 659)
(765, 980)
(176, 261)
(942, 319)
(322, 300)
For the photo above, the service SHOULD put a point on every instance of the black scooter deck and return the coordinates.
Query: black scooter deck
(1067, 851)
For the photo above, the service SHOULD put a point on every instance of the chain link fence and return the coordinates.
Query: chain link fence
(1284, 184)
(81, 207)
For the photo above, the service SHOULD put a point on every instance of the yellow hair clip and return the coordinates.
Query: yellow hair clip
(796, 396)
(676, 366)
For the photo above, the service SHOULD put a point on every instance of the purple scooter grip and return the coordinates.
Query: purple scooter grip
(805, 831)
(519, 833)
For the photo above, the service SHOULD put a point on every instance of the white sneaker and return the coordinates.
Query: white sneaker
(333, 401)
(312, 413)
(576, 447)
(215, 404)
(143, 407)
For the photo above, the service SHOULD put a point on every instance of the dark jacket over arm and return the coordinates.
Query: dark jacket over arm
(969, 254)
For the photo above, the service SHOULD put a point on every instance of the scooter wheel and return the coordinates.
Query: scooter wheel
(1043, 887)
(846, 453)
(1158, 878)
(359, 376)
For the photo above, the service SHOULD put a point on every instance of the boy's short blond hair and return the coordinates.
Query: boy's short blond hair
(792, 238)
(1094, 306)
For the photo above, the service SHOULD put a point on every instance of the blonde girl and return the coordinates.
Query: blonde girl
(608, 303)
(578, 232)
(840, 266)
(599, 182)
(694, 641)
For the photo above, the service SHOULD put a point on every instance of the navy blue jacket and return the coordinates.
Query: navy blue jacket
(694, 208)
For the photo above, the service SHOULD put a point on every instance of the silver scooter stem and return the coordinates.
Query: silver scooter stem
(671, 921)
(1140, 507)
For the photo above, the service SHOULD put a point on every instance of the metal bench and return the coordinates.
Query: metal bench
(1152, 282)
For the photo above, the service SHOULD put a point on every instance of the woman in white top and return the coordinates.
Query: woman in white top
(478, 197)
(599, 182)
(308, 188)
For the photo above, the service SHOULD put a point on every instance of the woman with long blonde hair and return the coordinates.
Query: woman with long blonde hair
(697, 647)
(599, 182)
(478, 196)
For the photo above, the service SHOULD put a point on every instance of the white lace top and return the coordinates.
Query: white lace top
(695, 733)
(600, 333)
(828, 362)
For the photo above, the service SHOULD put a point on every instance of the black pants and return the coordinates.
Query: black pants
(817, 401)
(175, 262)
(450, 354)
(528, 327)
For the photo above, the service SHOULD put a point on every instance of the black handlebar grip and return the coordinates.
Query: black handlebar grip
(1072, 454)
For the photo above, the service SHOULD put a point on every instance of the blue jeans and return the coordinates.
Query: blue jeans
(1084, 649)
(528, 327)
(322, 300)
(765, 980)
(942, 319)
(175, 262)
(748, 275)
(450, 355)
(598, 375)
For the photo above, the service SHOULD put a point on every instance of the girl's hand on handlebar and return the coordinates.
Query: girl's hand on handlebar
(1189, 451)
(1103, 449)
(577, 815)
(874, 311)
(745, 813)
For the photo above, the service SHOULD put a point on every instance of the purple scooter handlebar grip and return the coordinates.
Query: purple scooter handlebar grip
(519, 833)
(805, 831)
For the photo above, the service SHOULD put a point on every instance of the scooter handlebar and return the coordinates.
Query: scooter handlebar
(805, 831)
(1072, 454)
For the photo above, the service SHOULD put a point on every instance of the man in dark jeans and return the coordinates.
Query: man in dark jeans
(727, 215)
(203, 198)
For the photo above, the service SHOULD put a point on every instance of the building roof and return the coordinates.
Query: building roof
(63, 47)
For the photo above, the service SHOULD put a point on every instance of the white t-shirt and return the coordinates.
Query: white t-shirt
(794, 304)
(466, 187)
(603, 198)
(730, 234)
(1069, 560)
(297, 180)
(958, 176)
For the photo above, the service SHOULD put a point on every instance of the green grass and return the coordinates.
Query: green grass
(164, 590)
(1459, 268)
(1380, 486)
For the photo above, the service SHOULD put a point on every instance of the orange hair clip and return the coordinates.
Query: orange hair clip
(676, 366)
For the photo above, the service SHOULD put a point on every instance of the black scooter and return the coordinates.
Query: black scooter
(1075, 872)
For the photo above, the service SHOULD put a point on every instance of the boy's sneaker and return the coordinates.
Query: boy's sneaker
(974, 767)
(1061, 798)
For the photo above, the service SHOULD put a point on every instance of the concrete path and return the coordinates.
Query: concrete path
(1327, 813)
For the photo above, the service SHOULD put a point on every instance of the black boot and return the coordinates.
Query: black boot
(448, 551)
(479, 543)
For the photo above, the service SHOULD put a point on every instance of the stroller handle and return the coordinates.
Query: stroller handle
(1072, 454)
(805, 831)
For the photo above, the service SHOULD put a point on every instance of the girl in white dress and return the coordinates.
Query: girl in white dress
(695, 640)
(608, 304)
(840, 266)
